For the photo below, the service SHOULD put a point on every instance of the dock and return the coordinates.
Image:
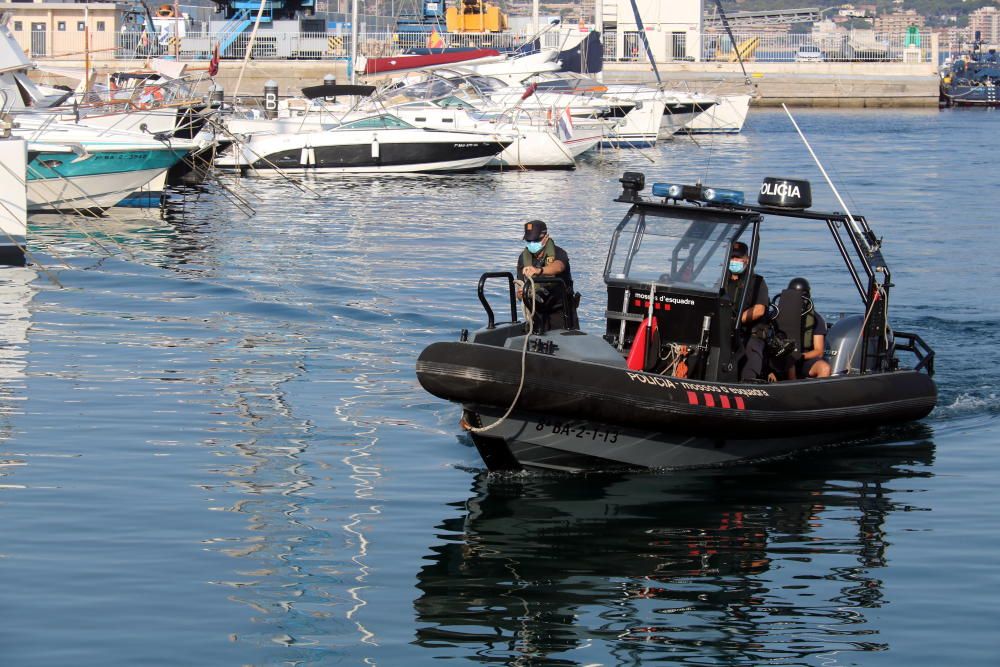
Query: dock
(833, 84)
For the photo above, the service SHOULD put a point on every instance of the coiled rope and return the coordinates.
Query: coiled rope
(529, 314)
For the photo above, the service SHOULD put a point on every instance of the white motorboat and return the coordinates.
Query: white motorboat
(379, 143)
(81, 169)
(726, 116)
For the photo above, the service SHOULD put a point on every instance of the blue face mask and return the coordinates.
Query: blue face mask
(736, 266)
(534, 247)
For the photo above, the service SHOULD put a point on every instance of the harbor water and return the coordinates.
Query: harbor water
(214, 450)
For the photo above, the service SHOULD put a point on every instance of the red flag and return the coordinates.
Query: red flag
(213, 65)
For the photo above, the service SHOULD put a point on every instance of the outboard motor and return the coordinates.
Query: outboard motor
(845, 349)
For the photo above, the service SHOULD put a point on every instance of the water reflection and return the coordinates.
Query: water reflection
(16, 293)
(773, 563)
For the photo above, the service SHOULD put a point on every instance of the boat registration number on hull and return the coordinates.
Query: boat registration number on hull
(581, 430)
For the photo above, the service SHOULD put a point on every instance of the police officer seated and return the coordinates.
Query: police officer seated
(751, 323)
(797, 342)
(542, 260)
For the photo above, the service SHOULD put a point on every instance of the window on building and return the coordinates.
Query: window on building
(80, 26)
(18, 26)
(100, 26)
(678, 49)
(61, 26)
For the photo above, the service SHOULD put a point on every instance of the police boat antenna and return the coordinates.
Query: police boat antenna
(859, 232)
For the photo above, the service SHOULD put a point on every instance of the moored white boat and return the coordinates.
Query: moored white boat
(726, 116)
(379, 143)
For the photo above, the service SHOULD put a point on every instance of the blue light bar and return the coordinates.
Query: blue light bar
(667, 190)
(720, 196)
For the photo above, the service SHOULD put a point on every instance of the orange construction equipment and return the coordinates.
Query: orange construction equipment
(475, 16)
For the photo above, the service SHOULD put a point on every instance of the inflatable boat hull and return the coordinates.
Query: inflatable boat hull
(653, 420)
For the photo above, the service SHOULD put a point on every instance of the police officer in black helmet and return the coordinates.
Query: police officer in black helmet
(810, 363)
(542, 259)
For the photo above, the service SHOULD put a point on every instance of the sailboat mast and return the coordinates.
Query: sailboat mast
(599, 27)
(354, 40)
(246, 56)
(645, 41)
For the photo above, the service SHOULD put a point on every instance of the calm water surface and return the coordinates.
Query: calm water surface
(213, 448)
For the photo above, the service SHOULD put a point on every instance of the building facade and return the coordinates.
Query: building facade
(986, 20)
(60, 29)
(898, 21)
(673, 29)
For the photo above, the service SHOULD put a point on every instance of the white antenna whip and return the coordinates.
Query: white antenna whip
(854, 223)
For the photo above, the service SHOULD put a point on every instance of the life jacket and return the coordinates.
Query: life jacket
(529, 259)
(808, 326)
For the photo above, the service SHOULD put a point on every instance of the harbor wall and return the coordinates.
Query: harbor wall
(830, 84)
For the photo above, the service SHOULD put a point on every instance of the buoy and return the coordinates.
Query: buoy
(165, 11)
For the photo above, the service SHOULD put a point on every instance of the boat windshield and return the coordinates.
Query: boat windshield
(673, 249)
(427, 89)
(385, 121)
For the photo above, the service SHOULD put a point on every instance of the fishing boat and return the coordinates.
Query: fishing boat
(660, 388)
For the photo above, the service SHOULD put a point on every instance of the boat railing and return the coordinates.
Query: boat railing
(569, 297)
(490, 318)
(909, 342)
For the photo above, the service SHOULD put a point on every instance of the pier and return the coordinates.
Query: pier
(830, 84)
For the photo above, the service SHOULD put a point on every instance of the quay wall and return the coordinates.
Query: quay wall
(831, 84)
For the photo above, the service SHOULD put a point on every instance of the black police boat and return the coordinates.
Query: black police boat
(572, 401)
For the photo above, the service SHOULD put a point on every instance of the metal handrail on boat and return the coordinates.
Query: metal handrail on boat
(491, 320)
(915, 344)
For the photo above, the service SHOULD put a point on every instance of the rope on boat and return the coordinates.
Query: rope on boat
(80, 211)
(529, 314)
(879, 295)
(238, 143)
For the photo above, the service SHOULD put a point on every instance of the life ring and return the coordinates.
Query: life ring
(165, 11)
(150, 96)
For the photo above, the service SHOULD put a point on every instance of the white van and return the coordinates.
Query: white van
(808, 53)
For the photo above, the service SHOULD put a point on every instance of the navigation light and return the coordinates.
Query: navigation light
(721, 196)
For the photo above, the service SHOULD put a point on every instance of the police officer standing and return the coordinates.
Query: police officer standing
(543, 259)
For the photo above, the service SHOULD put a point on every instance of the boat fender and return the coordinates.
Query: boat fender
(376, 152)
(646, 337)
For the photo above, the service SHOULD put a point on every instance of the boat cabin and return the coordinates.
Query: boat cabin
(668, 268)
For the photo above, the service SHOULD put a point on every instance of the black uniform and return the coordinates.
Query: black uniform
(549, 307)
(752, 337)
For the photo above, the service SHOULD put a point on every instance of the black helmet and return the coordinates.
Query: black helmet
(800, 284)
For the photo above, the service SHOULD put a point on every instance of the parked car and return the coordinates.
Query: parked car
(809, 53)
